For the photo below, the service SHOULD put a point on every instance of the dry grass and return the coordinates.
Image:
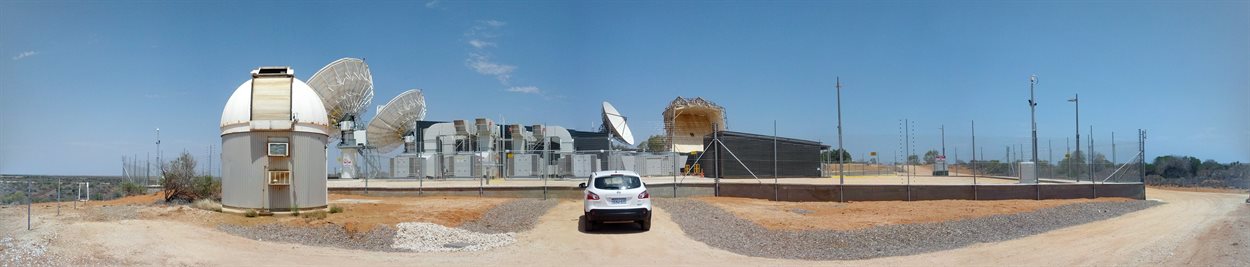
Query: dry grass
(207, 204)
(315, 215)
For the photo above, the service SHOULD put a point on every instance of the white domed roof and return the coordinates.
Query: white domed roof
(306, 106)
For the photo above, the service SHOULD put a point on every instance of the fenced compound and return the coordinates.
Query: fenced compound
(529, 165)
(794, 192)
(557, 174)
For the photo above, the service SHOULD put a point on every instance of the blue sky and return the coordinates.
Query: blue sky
(82, 84)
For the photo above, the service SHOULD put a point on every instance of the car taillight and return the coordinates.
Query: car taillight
(591, 196)
(644, 195)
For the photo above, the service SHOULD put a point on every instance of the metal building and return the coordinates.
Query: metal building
(794, 157)
(274, 131)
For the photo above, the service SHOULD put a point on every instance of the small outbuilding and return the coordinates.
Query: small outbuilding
(274, 131)
(793, 158)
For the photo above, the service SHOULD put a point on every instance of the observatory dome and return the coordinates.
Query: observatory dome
(306, 107)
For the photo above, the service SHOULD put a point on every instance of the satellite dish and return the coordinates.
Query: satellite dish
(395, 120)
(346, 88)
(615, 123)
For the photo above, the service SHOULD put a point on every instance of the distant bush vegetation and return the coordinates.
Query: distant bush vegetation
(1191, 172)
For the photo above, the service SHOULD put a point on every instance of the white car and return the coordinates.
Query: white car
(616, 196)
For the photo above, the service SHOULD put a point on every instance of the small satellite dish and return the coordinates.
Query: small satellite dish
(395, 120)
(615, 123)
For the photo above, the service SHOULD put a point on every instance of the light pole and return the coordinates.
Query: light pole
(1076, 99)
(841, 175)
(943, 134)
(1033, 115)
(159, 165)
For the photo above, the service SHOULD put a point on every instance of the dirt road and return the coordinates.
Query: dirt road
(1150, 237)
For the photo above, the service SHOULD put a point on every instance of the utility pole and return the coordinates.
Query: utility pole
(1091, 153)
(1033, 117)
(974, 152)
(913, 168)
(1113, 161)
(160, 164)
(907, 149)
(1076, 99)
(913, 152)
(841, 175)
(944, 165)
(1141, 150)
(210, 160)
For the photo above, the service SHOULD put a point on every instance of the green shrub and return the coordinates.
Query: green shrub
(14, 198)
(131, 189)
(295, 210)
(250, 213)
(336, 209)
(207, 187)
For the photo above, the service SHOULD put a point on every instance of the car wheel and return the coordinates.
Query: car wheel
(645, 224)
(590, 225)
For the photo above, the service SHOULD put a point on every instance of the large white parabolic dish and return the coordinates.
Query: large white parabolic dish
(395, 120)
(616, 124)
(345, 87)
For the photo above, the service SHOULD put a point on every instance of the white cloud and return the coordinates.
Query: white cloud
(525, 90)
(432, 4)
(25, 55)
(481, 38)
(484, 65)
(493, 23)
(476, 43)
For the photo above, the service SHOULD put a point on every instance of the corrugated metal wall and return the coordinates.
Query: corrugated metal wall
(795, 158)
(244, 169)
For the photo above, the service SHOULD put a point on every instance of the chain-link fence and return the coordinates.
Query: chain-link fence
(1074, 171)
(16, 190)
(533, 164)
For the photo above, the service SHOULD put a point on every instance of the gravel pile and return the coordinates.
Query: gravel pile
(429, 237)
(721, 229)
(512, 217)
(14, 252)
(329, 235)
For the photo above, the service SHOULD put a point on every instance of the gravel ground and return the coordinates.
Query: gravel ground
(329, 235)
(14, 252)
(113, 213)
(429, 237)
(498, 227)
(721, 229)
(515, 216)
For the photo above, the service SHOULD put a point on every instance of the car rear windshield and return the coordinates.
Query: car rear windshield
(618, 182)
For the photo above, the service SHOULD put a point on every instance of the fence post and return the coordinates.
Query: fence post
(28, 203)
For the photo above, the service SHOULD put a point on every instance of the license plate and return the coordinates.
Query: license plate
(616, 200)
